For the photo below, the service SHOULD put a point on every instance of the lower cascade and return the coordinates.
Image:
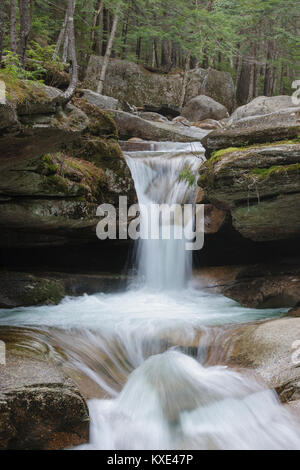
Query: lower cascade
(146, 349)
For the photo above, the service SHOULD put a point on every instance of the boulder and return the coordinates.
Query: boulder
(271, 349)
(202, 107)
(40, 407)
(130, 125)
(127, 81)
(262, 105)
(31, 123)
(101, 101)
(21, 289)
(274, 127)
(260, 186)
(264, 286)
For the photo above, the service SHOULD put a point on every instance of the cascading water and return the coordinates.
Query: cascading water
(136, 346)
(162, 179)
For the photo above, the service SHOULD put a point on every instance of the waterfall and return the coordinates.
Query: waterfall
(145, 350)
(164, 178)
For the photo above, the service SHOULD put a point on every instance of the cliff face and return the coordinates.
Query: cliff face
(57, 166)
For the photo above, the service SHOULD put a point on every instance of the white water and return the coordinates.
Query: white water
(132, 345)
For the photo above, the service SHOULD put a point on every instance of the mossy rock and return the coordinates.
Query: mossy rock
(21, 289)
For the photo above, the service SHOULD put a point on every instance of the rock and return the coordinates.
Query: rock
(217, 85)
(274, 127)
(40, 407)
(153, 117)
(101, 101)
(266, 287)
(262, 105)
(260, 186)
(202, 107)
(181, 120)
(130, 125)
(31, 124)
(272, 350)
(208, 124)
(24, 290)
(214, 218)
(127, 81)
(21, 289)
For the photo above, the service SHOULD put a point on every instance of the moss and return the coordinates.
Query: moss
(56, 183)
(46, 166)
(43, 291)
(264, 173)
(217, 155)
(18, 91)
(101, 123)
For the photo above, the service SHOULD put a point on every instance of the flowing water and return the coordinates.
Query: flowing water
(145, 349)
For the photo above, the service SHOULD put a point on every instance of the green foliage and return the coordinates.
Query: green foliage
(187, 176)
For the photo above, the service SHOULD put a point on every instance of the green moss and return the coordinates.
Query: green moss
(18, 91)
(46, 166)
(264, 173)
(56, 183)
(101, 123)
(218, 154)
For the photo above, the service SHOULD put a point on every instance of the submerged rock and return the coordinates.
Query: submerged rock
(40, 407)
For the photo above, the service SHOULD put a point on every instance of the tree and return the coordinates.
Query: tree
(109, 49)
(2, 26)
(68, 94)
(13, 27)
(26, 13)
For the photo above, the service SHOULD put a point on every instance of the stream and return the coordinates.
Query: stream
(145, 349)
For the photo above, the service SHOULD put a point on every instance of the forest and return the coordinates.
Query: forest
(256, 41)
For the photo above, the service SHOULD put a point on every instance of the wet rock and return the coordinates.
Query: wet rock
(21, 289)
(202, 107)
(130, 82)
(40, 407)
(265, 287)
(262, 105)
(270, 348)
(24, 290)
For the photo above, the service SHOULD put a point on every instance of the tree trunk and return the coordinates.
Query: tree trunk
(138, 48)
(61, 36)
(97, 13)
(2, 26)
(109, 49)
(24, 29)
(105, 31)
(165, 53)
(185, 79)
(269, 71)
(65, 97)
(13, 27)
